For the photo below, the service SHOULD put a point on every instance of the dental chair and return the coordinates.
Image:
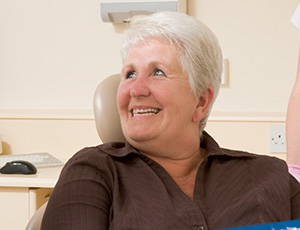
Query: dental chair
(107, 123)
(106, 111)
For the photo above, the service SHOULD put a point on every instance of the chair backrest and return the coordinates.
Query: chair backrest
(108, 126)
(36, 220)
(106, 111)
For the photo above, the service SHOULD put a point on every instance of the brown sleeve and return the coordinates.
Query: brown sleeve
(82, 197)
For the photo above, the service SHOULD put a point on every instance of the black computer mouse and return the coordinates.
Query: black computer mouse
(18, 167)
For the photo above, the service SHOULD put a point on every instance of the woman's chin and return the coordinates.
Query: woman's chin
(138, 137)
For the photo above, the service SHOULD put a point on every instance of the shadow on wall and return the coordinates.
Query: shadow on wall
(120, 27)
(6, 149)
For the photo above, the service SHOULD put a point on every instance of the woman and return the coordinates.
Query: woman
(293, 115)
(293, 128)
(170, 174)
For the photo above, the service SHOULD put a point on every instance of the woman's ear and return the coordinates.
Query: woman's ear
(203, 105)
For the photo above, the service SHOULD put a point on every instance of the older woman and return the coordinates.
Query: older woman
(170, 174)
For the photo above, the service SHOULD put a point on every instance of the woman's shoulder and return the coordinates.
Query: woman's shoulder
(259, 162)
(253, 156)
(101, 158)
(262, 168)
(103, 151)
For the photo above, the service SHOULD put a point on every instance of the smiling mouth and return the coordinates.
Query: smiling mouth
(145, 112)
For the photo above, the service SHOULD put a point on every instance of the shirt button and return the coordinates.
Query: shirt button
(200, 228)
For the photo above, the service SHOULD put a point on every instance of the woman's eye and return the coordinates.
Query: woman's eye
(131, 74)
(158, 72)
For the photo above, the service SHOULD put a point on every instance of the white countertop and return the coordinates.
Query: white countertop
(44, 178)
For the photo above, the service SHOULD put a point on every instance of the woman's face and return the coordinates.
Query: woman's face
(154, 97)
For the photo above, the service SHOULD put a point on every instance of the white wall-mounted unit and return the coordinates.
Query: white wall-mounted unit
(121, 11)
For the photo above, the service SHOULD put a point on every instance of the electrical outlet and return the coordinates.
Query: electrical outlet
(277, 139)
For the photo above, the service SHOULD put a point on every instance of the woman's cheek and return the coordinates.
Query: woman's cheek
(122, 98)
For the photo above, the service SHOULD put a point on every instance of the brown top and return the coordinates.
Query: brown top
(113, 186)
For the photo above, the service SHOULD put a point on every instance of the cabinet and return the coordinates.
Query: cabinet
(22, 195)
(17, 205)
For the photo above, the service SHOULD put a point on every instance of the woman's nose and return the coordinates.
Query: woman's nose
(140, 87)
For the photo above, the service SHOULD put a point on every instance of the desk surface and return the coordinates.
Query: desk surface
(44, 178)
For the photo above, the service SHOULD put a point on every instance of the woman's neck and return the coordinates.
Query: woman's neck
(183, 169)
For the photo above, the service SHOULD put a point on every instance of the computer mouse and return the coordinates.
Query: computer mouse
(18, 167)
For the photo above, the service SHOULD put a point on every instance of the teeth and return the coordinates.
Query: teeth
(145, 112)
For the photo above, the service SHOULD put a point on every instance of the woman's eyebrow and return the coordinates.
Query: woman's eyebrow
(127, 66)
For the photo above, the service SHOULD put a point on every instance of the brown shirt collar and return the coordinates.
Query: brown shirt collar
(122, 149)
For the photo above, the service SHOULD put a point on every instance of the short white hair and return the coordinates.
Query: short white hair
(200, 53)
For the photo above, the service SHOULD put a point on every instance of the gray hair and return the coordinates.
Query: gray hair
(200, 53)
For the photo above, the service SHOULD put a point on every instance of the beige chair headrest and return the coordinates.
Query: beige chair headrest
(106, 111)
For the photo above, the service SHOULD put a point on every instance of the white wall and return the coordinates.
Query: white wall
(54, 53)
(262, 47)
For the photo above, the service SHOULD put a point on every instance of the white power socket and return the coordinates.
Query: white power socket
(277, 139)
